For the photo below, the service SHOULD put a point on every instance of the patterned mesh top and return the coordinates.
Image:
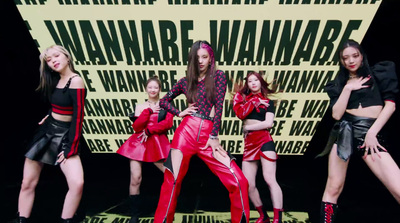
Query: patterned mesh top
(204, 105)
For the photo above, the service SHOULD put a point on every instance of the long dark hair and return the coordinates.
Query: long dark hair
(363, 71)
(266, 88)
(48, 77)
(193, 72)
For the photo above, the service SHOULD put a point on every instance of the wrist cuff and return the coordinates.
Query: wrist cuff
(213, 137)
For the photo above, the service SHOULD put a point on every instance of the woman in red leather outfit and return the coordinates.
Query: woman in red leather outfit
(149, 143)
(252, 105)
(205, 89)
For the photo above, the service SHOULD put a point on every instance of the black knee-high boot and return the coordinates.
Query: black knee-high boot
(134, 201)
(328, 212)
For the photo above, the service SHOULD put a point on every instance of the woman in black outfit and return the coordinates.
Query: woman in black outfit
(57, 139)
(362, 100)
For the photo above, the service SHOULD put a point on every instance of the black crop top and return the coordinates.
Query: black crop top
(260, 116)
(69, 101)
(383, 86)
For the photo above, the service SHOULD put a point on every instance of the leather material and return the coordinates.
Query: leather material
(189, 138)
(264, 218)
(49, 141)
(157, 145)
(242, 106)
(253, 142)
(277, 216)
(348, 134)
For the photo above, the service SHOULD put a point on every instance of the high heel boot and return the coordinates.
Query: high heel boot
(134, 201)
(264, 218)
(277, 215)
(328, 212)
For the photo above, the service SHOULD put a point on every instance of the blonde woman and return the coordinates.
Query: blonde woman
(57, 139)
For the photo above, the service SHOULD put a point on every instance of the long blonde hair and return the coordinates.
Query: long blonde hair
(48, 77)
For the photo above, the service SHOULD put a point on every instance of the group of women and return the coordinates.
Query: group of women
(362, 100)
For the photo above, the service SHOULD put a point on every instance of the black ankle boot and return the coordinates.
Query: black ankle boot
(328, 212)
(134, 202)
(68, 220)
(21, 219)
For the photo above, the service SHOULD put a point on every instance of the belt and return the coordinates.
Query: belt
(344, 132)
(198, 115)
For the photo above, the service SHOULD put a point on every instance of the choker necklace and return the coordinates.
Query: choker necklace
(152, 103)
(351, 77)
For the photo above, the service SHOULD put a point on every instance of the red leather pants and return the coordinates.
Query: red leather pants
(192, 135)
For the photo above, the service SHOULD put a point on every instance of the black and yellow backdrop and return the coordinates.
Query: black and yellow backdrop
(118, 44)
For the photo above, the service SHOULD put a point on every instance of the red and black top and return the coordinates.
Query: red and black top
(249, 106)
(163, 124)
(67, 101)
(204, 105)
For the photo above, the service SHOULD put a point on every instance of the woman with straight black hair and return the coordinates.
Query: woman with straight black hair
(362, 101)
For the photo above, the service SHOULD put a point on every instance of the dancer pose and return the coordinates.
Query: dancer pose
(205, 88)
(149, 143)
(57, 139)
(252, 105)
(362, 100)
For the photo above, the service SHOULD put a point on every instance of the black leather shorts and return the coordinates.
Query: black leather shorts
(349, 134)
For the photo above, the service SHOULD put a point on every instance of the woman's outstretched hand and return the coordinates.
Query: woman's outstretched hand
(358, 83)
(371, 144)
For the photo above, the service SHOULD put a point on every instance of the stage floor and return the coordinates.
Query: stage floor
(203, 198)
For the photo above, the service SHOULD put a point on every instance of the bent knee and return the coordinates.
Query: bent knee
(334, 190)
(271, 181)
(252, 187)
(76, 184)
(136, 180)
(29, 184)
